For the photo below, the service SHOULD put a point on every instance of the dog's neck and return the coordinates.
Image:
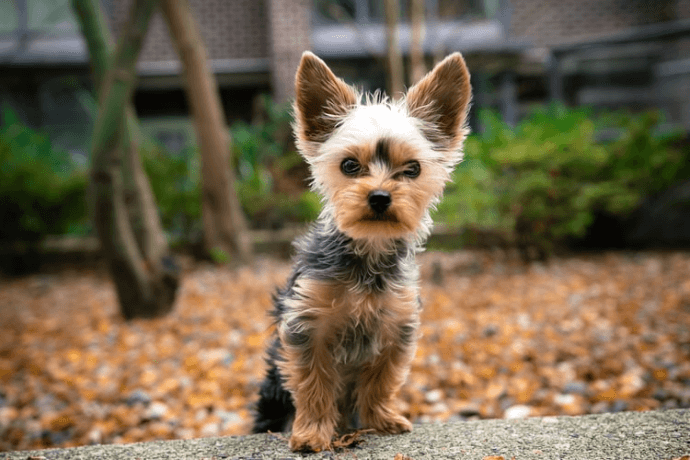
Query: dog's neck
(329, 254)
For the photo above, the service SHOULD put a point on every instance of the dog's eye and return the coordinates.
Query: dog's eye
(412, 169)
(350, 167)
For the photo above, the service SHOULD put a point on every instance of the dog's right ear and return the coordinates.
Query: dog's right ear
(441, 100)
(321, 101)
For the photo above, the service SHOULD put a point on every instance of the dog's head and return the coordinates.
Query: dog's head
(380, 164)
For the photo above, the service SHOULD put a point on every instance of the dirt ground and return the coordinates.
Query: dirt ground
(582, 334)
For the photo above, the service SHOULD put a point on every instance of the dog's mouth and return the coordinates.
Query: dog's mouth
(381, 217)
(377, 226)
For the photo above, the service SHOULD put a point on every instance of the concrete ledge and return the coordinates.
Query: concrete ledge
(662, 435)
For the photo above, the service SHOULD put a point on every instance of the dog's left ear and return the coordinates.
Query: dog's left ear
(321, 101)
(441, 100)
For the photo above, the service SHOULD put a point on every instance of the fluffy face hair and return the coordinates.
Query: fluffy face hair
(381, 164)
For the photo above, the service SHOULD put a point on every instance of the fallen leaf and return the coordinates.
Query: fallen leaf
(351, 439)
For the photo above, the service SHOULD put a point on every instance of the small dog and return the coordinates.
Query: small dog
(347, 321)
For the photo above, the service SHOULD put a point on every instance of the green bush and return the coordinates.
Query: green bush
(545, 179)
(175, 181)
(263, 154)
(42, 192)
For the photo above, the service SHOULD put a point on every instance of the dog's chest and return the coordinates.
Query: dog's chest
(366, 324)
(357, 342)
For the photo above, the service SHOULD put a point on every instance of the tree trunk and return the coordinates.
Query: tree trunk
(225, 227)
(417, 66)
(137, 190)
(125, 214)
(396, 73)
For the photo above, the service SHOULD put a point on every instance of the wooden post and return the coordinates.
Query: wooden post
(396, 73)
(417, 65)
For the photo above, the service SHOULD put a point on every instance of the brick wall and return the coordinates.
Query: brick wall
(683, 9)
(289, 36)
(554, 22)
(232, 29)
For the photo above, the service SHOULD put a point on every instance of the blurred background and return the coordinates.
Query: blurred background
(557, 281)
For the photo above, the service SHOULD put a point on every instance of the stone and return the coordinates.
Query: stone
(517, 412)
(577, 387)
(138, 396)
(156, 411)
(433, 396)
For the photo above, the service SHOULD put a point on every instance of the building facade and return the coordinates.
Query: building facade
(520, 52)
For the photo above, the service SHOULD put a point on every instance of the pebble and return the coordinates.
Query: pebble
(138, 396)
(433, 396)
(210, 429)
(215, 356)
(564, 399)
(156, 411)
(439, 408)
(95, 436)
(577, 387)
(516, 412)
(229, 417)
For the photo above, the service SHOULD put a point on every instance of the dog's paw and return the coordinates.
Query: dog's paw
(302, 442)
(394, 424)
(386, 421)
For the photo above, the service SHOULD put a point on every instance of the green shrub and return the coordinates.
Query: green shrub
(264, 154)
(545, 179)
(175, 181)
(42, 192)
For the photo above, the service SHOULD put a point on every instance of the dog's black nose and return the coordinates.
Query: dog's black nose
(379, 201)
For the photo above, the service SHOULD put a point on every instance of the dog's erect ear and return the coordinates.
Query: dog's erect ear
(321, 101)
(441, 99)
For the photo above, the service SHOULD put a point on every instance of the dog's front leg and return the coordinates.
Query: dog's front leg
(379, 383)
(313, 382)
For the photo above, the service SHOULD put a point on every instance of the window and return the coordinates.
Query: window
(9, 19)
(372, 11)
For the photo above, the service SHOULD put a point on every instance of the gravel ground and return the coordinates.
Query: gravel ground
(585, 334)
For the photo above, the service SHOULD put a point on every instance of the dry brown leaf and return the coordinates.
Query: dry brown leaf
(550, 339)
(400, 456)
(351, 439)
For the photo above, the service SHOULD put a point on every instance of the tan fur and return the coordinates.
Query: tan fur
(347, 323)
(410, 198)
(379, 382)
(317, 376)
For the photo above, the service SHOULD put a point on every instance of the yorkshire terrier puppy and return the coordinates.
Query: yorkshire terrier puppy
(347, 321)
